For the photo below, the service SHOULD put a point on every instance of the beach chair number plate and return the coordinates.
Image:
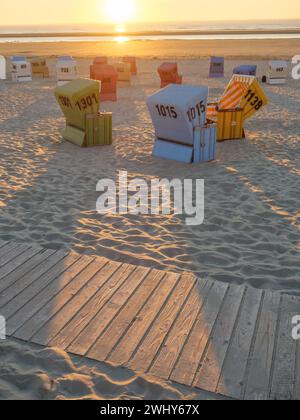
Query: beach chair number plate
(257, 103)
(167, 111)
(82, 104)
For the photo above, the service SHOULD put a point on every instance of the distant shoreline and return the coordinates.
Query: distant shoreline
(295, 31)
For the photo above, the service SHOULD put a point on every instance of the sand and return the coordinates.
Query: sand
(48, 195)
(259, 48)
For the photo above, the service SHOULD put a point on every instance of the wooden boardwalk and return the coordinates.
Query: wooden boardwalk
(231, 340)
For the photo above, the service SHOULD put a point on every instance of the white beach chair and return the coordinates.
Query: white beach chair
(66, 69)
(178, 113)
(2, 68)
(20, 70)
(277, 72)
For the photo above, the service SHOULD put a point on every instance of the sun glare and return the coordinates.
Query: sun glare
(120, 11)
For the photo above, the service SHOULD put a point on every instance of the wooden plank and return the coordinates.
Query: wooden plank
(257, 386)
(142, 322)
(283, 375)
(82, 319)
(108, 340)
(47, 261)
(62, 317)
(64, 274)
(5, 250)
(177, 338)
(12, 311)
(17, 261)
(53, 303)
(187, 365)
(102, 319)
(297, 372)
(20, 273)
(11, 252)
(150, 346)
(234, 367)
(211, 364)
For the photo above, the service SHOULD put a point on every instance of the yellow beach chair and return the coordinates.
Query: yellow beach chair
(79, 100)
(124, 72)
(242, 98)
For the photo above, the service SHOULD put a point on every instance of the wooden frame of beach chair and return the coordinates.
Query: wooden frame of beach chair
(21, 70)
(124, 72)
(217, 67)
(39, 68)
(277, 72)
(133, 64)
(2, 67)
(108, 77)
(98, 129)
(168, 73)
(242, 98)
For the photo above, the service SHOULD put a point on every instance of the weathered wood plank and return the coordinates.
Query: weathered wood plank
(82, 319)
(211, 364)
(187, 365)
(89, 335)
(259, 369)
(11, 295)
(13, 310)
(9, 282)
(31, 328)
(149, 348)
(10, 252)
(122, 321)
(142, 322)
(173, 346)
(234, 368)
(47, 293)
(66, 312)
(283, 378)
(24, 254)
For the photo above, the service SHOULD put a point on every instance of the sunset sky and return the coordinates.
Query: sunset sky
(39, 12)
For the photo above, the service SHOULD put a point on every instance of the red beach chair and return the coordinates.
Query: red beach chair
(168, 73)
(108, 77)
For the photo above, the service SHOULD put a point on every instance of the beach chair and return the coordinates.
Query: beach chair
(39, 68)
(133, 65)
(66, 69)
(108, 77)
(168, 73)
(242, 98)
(2, 68)
(20, 69)
(245, 70)
(217, 67)
(124, 72)
(179, 117)
(277, 72)
(79, 100)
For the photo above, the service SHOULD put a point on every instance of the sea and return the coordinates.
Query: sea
(280, 29)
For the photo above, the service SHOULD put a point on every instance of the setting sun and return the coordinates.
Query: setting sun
(120, 11)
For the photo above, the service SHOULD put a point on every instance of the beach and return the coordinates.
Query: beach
(48, 194)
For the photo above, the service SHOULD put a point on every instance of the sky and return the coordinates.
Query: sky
(29, 12)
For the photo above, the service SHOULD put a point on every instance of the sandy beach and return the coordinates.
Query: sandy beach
(236, 49)
(48, 195)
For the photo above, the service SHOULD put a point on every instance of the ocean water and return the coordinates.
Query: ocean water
(152, 31)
